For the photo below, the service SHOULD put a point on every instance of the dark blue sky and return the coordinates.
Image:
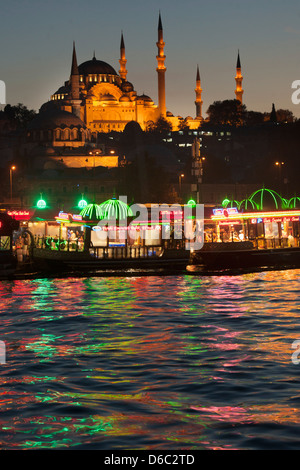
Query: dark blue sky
(37, 37)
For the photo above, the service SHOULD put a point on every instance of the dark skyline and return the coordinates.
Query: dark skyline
(37, 39)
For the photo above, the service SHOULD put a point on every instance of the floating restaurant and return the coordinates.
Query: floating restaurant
(110, 234)
(266, 219)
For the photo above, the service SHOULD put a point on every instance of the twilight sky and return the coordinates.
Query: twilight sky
(37, 36)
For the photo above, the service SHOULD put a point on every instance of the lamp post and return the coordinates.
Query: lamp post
(180, 178)
(12, 168)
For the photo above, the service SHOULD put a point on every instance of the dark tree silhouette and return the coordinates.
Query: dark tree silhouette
(20, 114)
(227, 113)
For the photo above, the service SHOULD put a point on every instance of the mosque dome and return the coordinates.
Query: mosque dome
(126, 87)
(97, 67)
(108, 97)
(63, 90)
(124, 99)
(146, 98)
(53, 118)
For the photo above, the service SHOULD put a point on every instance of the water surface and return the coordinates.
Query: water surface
(152, 363)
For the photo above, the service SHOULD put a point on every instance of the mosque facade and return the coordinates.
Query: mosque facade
(105, 100)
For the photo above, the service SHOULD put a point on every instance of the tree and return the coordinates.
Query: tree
(20, 114)
(284, 115)
(183, 125)
(253, 118)
(227, 112)
(161, 127)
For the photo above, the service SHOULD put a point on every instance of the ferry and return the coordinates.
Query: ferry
(237, 241)
(234, 239)
(79, 242)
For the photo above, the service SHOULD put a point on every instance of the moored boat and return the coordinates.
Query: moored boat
(255, 240)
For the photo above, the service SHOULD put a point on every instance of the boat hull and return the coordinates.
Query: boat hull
(244, 259)
(59, 261)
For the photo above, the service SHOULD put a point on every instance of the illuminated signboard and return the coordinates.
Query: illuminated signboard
(291, 219)
(20, 214)
(66, 217)
(234, 222)
(77, 217)
(226, 212)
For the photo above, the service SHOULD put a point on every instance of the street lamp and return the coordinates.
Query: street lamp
(12, 168)
(180, 178)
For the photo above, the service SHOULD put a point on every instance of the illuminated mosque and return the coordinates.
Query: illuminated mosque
(105, 100)
(97, 99)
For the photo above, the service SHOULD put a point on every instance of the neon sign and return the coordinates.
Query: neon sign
(64, 216)
(20, 215)
(225, 212)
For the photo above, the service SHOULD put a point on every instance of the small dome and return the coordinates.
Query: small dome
(63, 90)
(108, 97)
(146, 98)
(95, 66)
(53, 118)
(127, 87)
(124, 99)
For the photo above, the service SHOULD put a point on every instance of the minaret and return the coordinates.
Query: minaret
(198, 91)
(122, 61)
(239, 79)
(75, 87)
(161, 70)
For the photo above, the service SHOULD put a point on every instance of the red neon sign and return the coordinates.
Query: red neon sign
(20, 214)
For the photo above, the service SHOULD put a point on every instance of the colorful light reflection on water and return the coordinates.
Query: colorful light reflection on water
(150, 362)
